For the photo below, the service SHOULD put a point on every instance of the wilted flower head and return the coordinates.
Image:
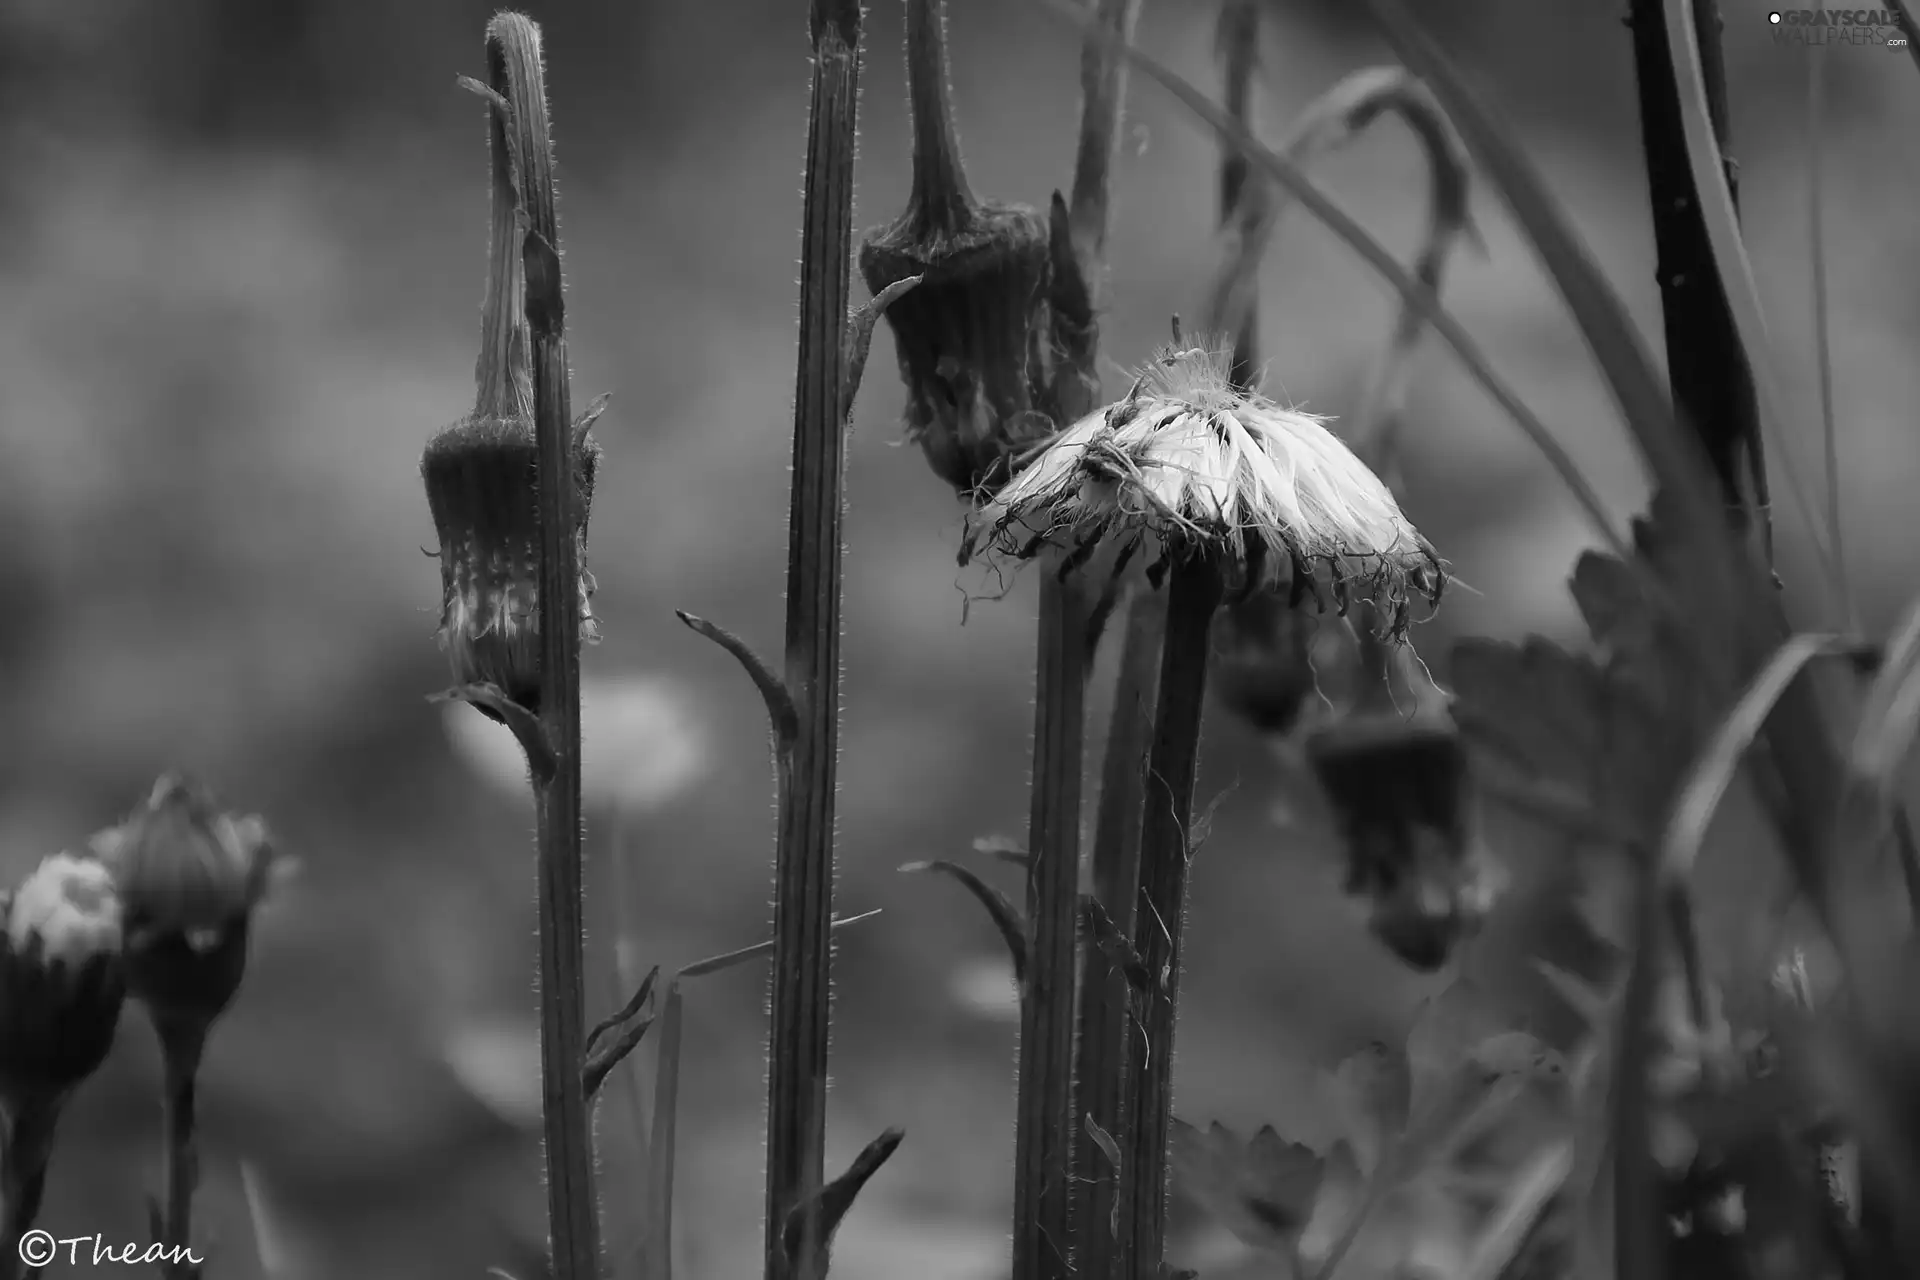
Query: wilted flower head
(61, 980)
(480, 477)
(1398, 791)
(1197, 464)
(189, 877)
(974, 337)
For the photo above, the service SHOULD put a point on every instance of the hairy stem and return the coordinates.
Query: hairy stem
(941, 196)
(1044, 1132)
(803, 874)
(502, 375)
(23, 1176)
(1104, 1253)
(1194, 591)
(1713, 389)
(182, 1045)
(517, 74)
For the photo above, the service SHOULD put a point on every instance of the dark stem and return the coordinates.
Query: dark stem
(803, 874)
(1713, 390)
(516, 72)
(182, 1045)
(503, 390)
(1194, 591)
(23, 1176)
(1044, 1172)
(1103, 84)
(941, 200)
(1240, 53)
(1105, 1254)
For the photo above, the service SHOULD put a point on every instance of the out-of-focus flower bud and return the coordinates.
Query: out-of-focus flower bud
(480, 475)
(1263, 661)
(61, 980)
(189, 877)
(1398, 790)
(974, 338)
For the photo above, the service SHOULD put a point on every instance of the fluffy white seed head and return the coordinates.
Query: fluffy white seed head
(69, 904)
(1192, 461)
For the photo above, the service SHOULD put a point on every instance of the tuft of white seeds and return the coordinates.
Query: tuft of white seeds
(69, 904)
(1192, 460)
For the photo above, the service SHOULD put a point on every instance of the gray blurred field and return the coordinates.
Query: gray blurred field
(239, 287)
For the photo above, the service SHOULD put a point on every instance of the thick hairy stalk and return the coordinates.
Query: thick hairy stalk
(803, 871)
(1194, 592)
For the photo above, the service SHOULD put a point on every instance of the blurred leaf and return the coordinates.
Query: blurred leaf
(657, 1230)
(1262, 1190)
(1369, 1093)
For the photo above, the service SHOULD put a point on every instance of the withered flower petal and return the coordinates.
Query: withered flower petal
(480, 477)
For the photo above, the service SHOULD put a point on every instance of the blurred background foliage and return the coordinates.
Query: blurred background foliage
(239, 287)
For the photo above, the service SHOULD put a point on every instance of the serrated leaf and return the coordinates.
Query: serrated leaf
(1262, 1190)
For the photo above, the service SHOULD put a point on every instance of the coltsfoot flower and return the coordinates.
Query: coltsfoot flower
(480, 477)
(1193, 463)
(61, 979)
(1399, 794)
(974, 337)
(189, 877)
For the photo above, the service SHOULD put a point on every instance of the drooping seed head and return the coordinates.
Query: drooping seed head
(974, 337)
(481, 477)
(1190, 461)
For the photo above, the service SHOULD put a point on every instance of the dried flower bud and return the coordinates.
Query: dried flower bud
(1196, 464)
(189, 878)
(480, 475)
(1263, 662)
(974, 337)
(1398, 791)
(61, 979)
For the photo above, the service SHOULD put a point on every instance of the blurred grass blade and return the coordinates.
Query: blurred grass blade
(728, 959)
(1730, 258)
(1713, 773)
(1414, 294)
(1006, 918)
(1822, 335)
(1533, 1189)
(666, 1096)
(1623, 359)
(1892, 716)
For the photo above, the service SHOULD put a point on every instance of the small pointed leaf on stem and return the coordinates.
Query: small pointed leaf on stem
(486, 91)
(860, 337)
(727, 960)
(1115, 945)
(601, 1062)
(629, 1010)
(584, 423)
(829, 1205)
(525, 726)
(780, 706)
(1006, 917)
